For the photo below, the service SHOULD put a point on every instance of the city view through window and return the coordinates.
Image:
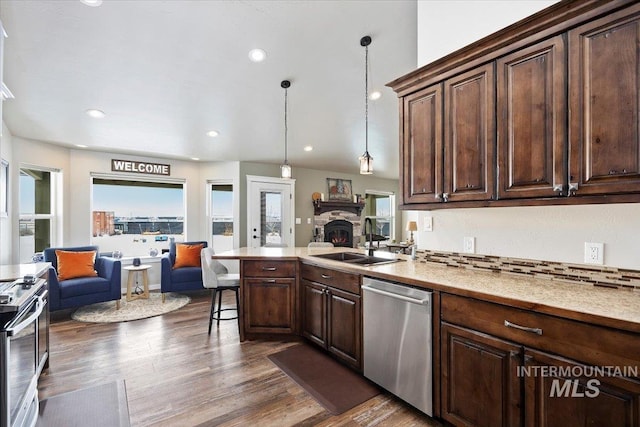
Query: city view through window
(141, 218)
(136, 218)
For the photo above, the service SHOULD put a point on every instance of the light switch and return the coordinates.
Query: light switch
(298, 221)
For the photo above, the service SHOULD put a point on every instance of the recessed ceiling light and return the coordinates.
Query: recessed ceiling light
(82, 146)
(375, 95)
(195, 158)
(92, 3)
(257, 55)
(308, 148)
(213, 133)
(96, 114)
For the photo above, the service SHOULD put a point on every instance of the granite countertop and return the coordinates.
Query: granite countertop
(618, 308)
(9, 273)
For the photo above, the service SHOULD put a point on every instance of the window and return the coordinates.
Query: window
(380, 207)
(222, 217)
(134, 217)
(39, 202)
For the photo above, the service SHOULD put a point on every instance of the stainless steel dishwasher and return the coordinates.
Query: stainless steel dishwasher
(397, 340)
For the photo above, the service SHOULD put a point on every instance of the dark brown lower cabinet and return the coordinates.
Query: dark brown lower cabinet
(269, 306)
(491, 376)
(480, 386)
(331, 319)
(553, 398)
(268, 297)
(314, 309)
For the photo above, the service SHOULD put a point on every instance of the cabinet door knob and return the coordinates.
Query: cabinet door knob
(445, 197)
(437, 196)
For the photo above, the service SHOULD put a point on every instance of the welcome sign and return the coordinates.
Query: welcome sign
(140, 167)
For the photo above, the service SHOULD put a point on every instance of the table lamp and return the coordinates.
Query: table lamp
(412, 226)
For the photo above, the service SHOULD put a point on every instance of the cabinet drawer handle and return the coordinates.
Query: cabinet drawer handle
(324, 276)
(523, 328)
(269, 281)
(269, 268)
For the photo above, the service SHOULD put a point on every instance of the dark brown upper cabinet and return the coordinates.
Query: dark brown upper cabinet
(604, 88)
(421, 146)
(540, 110)
(460, 168)
(469, 135)
(532, 121)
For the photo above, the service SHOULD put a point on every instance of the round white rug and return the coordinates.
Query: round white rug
(105, 312)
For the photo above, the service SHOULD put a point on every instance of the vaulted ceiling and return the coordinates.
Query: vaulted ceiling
(166, 72)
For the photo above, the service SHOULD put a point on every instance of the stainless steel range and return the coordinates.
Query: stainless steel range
(23, 349)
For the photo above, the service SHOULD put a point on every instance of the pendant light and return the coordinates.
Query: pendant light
(366, 161)
(285, 168)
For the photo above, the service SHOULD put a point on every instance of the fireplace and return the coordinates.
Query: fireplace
(339, 232)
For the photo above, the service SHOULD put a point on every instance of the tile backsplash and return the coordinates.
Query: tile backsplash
(601, 276)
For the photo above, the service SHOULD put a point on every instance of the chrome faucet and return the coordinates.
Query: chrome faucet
(368, 221)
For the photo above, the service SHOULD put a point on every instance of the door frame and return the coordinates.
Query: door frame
(254, 179)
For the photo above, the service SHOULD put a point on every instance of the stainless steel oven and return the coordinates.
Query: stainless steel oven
(21, 353)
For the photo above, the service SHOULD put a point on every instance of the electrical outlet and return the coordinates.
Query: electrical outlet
(298, 221)
(427, 223)
(308, 220)
(469, 245)
(594, 253)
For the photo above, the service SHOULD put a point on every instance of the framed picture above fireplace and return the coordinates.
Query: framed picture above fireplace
(339, 189)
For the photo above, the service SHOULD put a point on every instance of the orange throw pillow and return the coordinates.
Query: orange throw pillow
(72, 264)
(188, 255)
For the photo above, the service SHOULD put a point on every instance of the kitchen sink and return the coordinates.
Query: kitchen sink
(358, 258)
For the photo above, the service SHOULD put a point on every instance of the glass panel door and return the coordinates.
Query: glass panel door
(271, 219)
(270, 212)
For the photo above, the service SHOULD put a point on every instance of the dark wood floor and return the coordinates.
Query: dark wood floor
(177, 375)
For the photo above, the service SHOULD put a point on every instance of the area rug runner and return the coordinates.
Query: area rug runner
(333, 385)
(106, 312)
(99, 406)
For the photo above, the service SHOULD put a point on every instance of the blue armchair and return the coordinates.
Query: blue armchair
(84, 290)
(179, 279)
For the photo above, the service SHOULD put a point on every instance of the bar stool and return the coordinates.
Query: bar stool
(215, 276)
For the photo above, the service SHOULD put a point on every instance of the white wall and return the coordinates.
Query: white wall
(553, 233)
(445, 26)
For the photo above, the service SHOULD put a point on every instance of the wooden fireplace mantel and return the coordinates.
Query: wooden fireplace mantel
(320, 207)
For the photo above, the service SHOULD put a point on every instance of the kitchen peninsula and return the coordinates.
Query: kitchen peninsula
(488, 321)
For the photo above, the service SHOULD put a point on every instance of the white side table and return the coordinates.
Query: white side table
(133, 271)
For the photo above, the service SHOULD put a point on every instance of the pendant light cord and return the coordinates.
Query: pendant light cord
(285, 126)
(366, 99)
